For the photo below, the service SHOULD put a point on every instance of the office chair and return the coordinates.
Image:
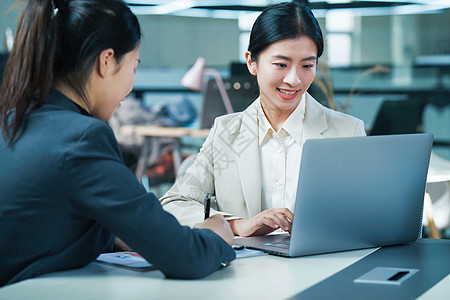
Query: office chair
(406, 116)
(437, 197)
(399, 116)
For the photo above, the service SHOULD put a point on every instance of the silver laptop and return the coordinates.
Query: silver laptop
(354, 193)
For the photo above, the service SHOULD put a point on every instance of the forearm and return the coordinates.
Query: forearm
(263, 223)
(191, 212)
(104, 190)
(177, 251)
(234, 225)
(244, 228)
(187, 212)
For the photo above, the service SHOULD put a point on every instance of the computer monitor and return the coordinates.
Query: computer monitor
(241, 90)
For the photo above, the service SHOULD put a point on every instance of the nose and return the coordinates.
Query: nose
(292, 77)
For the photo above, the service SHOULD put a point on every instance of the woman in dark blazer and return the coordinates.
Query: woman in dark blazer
(64, 192)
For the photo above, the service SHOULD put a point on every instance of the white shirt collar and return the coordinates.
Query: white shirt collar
(264, 127)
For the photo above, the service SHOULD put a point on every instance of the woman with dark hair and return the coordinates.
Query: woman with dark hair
(251, 160)
(65, 193)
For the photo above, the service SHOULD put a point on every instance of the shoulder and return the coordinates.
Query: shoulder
(235, 121)
(229, 119)
(68, 120)
(93, 135)
(330, 122)
(83, 128)
(73, 132)
(330, 114)
(340, 117)
(341, 124)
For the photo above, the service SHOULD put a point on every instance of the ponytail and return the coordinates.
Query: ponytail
(28, 72)
(61, 49)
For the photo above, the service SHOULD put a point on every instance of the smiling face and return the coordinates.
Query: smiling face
(115, 84)
(284, 71)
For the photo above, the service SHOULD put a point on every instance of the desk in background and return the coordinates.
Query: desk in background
(155, 137)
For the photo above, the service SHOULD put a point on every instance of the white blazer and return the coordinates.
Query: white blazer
(228, 168)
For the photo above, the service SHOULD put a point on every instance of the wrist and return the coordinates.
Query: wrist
(234, 225)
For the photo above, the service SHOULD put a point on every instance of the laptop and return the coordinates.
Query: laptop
(355, 193)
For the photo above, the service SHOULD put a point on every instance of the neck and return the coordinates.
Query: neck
(274, 115)
(70, 93)
(275, 119)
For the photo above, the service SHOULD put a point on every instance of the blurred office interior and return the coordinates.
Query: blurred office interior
(385, 62)
(388, 57)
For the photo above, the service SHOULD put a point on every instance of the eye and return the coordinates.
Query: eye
(280, 65)
(137, 64)
(308, 66)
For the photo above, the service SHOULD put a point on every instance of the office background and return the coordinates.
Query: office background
(385, 50)
(380, 56)
(389, 34)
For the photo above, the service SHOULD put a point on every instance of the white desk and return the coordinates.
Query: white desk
(261, 277)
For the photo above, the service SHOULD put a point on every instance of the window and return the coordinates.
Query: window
(339, 26)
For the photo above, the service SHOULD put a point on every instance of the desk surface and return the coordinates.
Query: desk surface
(261, 277)
(156, 131)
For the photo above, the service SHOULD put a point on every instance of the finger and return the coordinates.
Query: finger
(277, 221)
(282, 221)
(269, 220)
(289, 215)
(286, 217)
(285, 211)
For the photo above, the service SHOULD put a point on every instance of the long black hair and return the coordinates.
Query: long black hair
(286, 20)
(54, 48)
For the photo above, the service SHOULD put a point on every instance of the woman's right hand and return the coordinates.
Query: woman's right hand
(220, 226)
(264, 222)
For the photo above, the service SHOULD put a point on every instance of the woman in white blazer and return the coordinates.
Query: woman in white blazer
(250, 161)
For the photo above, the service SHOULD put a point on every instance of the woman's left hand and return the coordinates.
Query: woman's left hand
(264, 222)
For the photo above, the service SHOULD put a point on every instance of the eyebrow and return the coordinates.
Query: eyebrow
(289, 59)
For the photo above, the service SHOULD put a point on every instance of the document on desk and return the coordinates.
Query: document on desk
(133, 260)
(127, 259)
(244, 252)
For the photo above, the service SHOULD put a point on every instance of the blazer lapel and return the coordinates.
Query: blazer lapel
(315, 121)
(247, 157)
(244, 142)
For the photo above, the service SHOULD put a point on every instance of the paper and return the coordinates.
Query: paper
(134, 260)
(127, 259)
(240, 253)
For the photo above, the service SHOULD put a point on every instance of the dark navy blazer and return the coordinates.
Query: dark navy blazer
(65, 194)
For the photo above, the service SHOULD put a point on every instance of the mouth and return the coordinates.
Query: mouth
(287, 94)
